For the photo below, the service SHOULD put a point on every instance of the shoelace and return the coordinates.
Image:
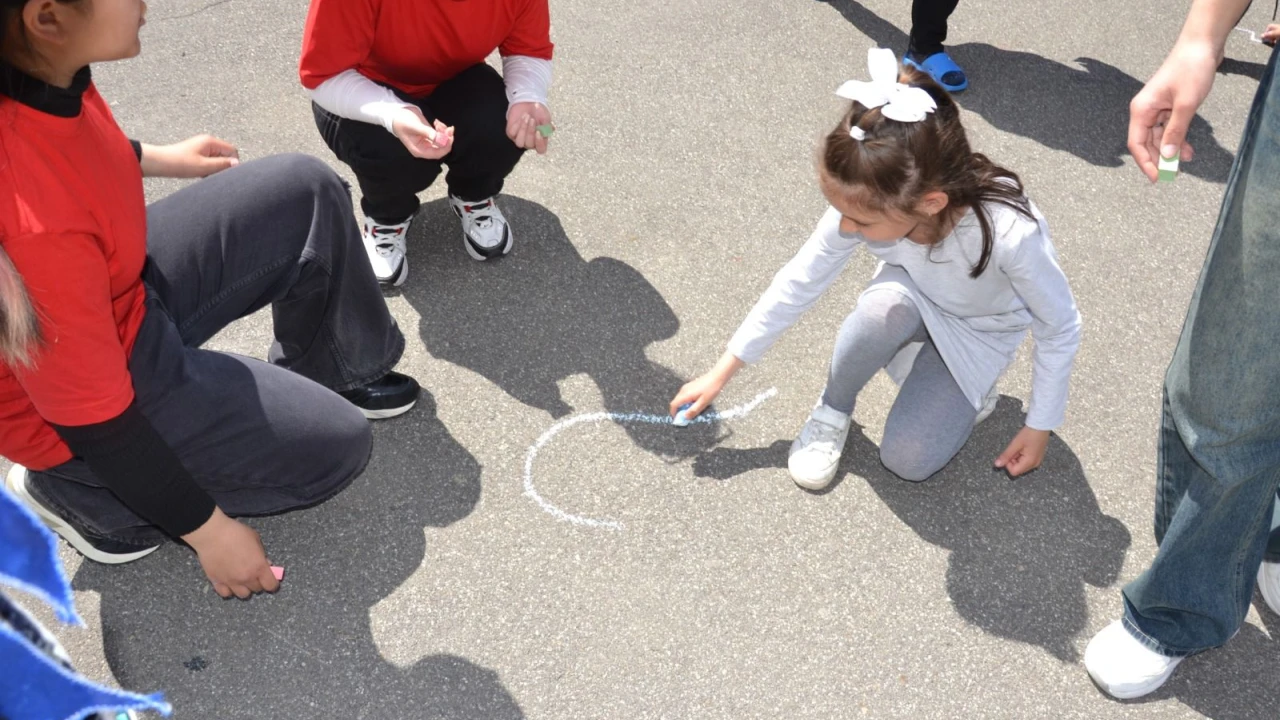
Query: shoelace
(472, 212)
(820, 432)
(388, 238)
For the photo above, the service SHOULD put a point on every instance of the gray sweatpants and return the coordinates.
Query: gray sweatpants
(931, 419)
(259, 437)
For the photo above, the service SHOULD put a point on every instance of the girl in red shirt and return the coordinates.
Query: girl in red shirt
(122, 430)
(400, 88)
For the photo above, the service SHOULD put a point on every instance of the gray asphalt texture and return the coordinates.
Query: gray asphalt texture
(681, 178)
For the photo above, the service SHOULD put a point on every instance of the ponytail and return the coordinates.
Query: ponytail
(19, 329)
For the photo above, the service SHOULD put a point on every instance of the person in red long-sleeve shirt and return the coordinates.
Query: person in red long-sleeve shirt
(123, 431)
(400, 89)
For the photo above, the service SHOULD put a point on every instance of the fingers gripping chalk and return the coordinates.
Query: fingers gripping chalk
(278, 572)
(682, 419)
(546, 130)
(1168, 168)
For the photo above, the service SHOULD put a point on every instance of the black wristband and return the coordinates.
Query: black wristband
(137, 149)
(134, 462)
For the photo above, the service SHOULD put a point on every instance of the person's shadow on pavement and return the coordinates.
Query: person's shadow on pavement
(544, 313)
(308, 651)
(1083, 111)
(1021, 549)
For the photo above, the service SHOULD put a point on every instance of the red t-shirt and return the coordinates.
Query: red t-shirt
(73, 221)
(414, 45)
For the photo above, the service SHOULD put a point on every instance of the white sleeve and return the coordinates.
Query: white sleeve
(355, 97)
(1055, 325)
(528, 79)
(795, 288)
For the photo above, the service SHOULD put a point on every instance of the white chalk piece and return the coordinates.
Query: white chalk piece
(622, 419)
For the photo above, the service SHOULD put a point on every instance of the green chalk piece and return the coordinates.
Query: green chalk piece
(546, 130)
(1168, 169)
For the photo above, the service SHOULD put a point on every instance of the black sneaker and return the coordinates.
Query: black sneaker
(103, 550)
(390, 395)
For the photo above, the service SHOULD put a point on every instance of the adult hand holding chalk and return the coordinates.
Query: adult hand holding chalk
(529, 126)
(697, 394)
(232, 556)
(430, 141)
(1161, 113)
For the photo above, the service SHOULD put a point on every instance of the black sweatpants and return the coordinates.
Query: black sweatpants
(474, 102)
(259, 437)
(929, 25)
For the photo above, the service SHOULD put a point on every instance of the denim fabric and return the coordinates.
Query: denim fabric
(1219, 463)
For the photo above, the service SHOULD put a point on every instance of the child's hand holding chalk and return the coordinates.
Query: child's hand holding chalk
(430, 141)
(529, 126)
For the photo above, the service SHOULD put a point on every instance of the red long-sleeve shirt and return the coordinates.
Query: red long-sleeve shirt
(415, 45)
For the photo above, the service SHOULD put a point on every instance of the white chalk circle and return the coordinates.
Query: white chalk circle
(622, 419)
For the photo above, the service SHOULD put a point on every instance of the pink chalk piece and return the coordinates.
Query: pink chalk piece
(278, 572)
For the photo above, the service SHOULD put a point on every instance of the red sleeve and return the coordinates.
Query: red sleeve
(81, 375)
(337, 38)
(531, 35)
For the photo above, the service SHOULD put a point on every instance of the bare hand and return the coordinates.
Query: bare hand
(702, 391)
(1025, 453)
(232, 556)
(1160, 114)
(430, 141)
(523, 120)
(195, 157)
(1271, 34)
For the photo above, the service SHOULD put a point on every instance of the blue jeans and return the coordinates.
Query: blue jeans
(1219, 463)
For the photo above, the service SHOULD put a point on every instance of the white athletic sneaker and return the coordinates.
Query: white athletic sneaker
(988, 407)
(1122, 666)
(815, 455)
(485, 232)
(1269, 584)
(386, 248)
(105, 551)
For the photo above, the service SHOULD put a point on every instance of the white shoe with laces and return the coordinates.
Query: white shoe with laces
(1123, 667)
(988, 407)
(386, 247)
(1269, 584)
(485, 232)
(815, 455)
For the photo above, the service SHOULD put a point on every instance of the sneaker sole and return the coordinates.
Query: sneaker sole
(388, 412)
(477, 255)
(1139, 691)
(813, 484)
(16, 481)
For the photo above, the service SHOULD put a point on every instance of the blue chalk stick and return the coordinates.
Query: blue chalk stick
(681, 420)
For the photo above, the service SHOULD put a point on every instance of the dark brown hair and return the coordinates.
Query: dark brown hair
(898, 163)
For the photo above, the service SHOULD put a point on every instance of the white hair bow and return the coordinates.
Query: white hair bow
(896, 101)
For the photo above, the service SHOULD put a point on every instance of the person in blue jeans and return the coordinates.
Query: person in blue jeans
(1219, 447)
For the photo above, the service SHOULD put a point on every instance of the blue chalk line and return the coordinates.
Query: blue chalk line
(636, 418)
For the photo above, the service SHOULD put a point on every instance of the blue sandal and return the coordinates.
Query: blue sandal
(943, 70)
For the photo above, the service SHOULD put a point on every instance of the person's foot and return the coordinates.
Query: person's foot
(390, 395)
(485, 232)
(815, 455)
(1269, 584)
(941, 68)
(988, 407)
(1122, 666)
(103, 550)
(385, 245)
